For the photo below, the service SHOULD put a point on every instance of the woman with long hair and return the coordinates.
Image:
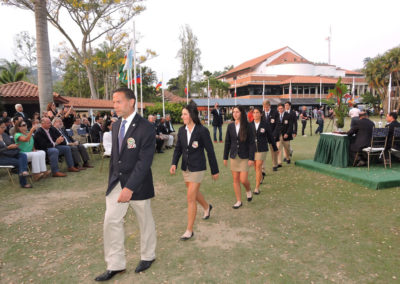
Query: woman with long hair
(51, 110)
(239, 146)
(193, 138)
(23, 138)
(262, 136)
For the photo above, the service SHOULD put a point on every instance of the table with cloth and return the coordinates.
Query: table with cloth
(333, 149)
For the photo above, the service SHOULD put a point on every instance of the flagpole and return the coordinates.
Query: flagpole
(320, 91)
(134, 64)
(141, 90)
(353, 89)
(208, 95)
(263, 90)
(389, 91)
(290, 91)
(162, 90)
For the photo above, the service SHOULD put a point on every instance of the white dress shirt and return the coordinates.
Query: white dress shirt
(128, 122)
(189, 134)
(237, 126)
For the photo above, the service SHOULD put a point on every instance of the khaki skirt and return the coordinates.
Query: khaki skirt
(196, 177)
(239, 165)
(260, 156)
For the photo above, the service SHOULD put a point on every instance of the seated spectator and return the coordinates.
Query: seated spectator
(12, 126)
(4, 115)
(52, 111)
(69, 117)
(362, 129)
(24, 139)
(85, 123)
(82, 138)
(79, 152)
(8, 124)
(162, 129)
(11, 156)
(20, 112)
(392, 123)
(48, 139)
(170, 128)
(159, 141)
(95, 132)
(107, 136)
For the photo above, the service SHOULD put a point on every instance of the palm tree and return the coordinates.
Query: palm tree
(12, 72)
(392, 58)
(45, 83)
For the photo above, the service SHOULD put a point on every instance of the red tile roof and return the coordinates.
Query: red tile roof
(252, 62)
(170, 97)
(95, 104)
(288, 57)
(24, 90)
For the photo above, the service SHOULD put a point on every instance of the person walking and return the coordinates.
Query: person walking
(262, 137)
(239, 146)
(217, 122)
(193, 139)
(130, 183)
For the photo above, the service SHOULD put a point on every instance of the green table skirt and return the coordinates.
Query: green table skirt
(333, 150)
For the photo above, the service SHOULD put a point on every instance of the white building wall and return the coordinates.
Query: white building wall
(299, 69)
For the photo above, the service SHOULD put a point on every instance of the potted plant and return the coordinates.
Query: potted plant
(340, 101)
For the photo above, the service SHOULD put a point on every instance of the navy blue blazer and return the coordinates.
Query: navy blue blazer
(234, 147)
(132, 167)
(263, 136)
(193, 157)
(284, 127)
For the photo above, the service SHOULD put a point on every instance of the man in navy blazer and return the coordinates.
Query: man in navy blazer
(130, 183)
(217, 122)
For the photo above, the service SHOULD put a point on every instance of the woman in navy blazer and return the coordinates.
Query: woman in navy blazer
(262, 136)
(193, 138)
(239, 146)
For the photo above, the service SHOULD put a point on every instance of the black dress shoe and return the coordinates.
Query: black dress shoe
(238, 206)
(187, 238)
(143, 265)
(250, 198)
(284, 159)
(262, 179)
(288, 161)
(108, 275)
(275, 169)
(279, 166)
(209, 211)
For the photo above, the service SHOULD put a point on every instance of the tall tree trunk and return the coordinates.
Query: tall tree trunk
(93, 92)
(45, 83)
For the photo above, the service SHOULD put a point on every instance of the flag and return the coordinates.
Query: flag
(138, 79)
(158, 86)
(122, 72)
(186, 91)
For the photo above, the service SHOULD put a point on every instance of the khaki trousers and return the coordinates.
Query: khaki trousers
(114, 234)
(286, 149)
(274, 158)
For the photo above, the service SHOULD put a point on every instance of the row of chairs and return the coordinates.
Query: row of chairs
(379, 143)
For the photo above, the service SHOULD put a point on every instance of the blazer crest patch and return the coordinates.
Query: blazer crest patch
(195, 144)
(262, 130)
(272, 120)
(286, 121)
(131, 143)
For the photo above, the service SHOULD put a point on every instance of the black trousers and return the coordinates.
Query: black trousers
(304, 124)
(362, 156)
(159, 144)
(79, 154)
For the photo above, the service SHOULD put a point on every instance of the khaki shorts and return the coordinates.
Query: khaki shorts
(239, 165)
(260, 156)
(196, 177)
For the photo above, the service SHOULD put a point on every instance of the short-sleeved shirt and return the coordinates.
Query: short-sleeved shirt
(24, 146)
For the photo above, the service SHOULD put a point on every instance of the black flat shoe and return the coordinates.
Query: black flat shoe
(108, 275)
(263, 176)
(284, 159)
(238, 206)
(275, 169)
(279, 166)
(256, 192)
(209, 211)
(187, 238)
(288, 161)
(143, 265)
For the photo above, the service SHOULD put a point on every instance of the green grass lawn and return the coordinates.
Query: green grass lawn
(304, 227)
